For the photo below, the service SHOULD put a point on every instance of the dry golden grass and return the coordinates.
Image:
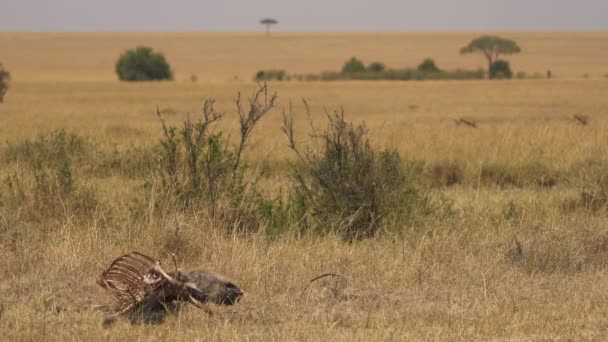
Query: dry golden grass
(226, 56)
(461, 277)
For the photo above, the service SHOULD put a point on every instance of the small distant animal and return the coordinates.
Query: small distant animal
(465, 122)
(581, 119)
(142, 290)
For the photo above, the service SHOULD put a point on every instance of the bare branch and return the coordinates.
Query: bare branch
(259, 104)
(289, 131)
(162, 122)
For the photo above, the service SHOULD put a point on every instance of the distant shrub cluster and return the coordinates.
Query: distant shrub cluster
(355, 69)
(271, 75)
(4, 78)
(143, 64)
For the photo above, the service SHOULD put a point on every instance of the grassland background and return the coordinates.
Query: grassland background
(448, 279)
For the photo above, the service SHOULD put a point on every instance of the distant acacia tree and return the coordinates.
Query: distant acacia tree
(268, 22)
(491, 47)
(4, 78)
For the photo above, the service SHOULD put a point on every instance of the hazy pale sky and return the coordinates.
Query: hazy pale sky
(302, 15)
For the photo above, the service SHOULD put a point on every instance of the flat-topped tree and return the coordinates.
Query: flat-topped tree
(491, 47)
(268, 22)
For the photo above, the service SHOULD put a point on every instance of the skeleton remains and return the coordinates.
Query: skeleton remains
(142, 290)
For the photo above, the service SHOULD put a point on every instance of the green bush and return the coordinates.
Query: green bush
(350, 186)
(4, 78)
(376, 67)
(500, 69)
(271, 74)
(201, 171)
(428, 65)
(143, 64)
(353, 65)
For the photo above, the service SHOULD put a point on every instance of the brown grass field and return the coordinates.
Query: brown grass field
(514, 259)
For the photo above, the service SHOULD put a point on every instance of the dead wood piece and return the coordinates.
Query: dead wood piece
(334, 275)
(581, 119)
(466, 122)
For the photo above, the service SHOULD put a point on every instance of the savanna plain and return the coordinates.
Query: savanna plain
(509, 243)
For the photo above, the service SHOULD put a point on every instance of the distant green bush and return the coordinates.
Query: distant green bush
(354, 69)
(4, 78)
(376, 67)
(500, 69)
(428, 65)
(404, 75)
(143, 64)
(270, 75)
(353, 65)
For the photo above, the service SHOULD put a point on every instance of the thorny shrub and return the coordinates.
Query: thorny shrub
(349, 185)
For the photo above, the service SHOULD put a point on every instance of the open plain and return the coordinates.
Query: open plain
(517, 249)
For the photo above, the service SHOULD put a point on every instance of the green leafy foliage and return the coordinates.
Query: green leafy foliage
(353, 65)
(500, 69)
(429, 66)
(376, 67)
(143, 64)
(270, 74)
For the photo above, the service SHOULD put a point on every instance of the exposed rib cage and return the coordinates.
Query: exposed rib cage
(138, 284)
(130, 278)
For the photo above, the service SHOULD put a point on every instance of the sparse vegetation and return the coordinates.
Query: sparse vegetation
(143, 64)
